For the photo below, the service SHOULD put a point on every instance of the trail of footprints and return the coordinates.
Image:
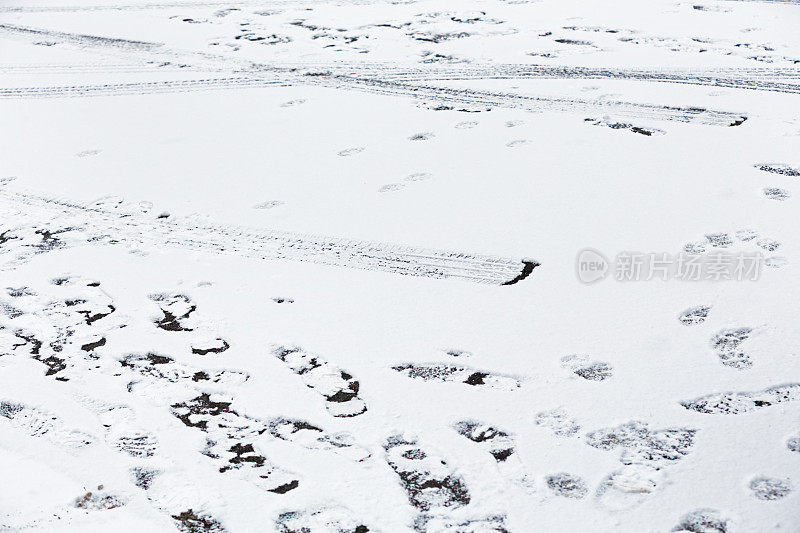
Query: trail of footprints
(75, 331)
(432, 486)
(84, 315)
(729, 344)
(338, 387)
(717, 245)
(232, 438)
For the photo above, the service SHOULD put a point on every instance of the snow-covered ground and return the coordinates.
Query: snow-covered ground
(361, 265)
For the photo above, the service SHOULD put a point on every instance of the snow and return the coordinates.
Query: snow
(323, 275)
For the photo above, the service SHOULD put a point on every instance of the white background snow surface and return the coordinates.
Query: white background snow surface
(306, 144)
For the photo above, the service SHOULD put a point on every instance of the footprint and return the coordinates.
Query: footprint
(776, 262)
(339, 388)
(514, 123)
(18, 292)
(351, 151)
(746, 234)
(333, 519)
(121, 432)
(435, 106)
(695, 247)
(734, 403)
(29, 241)
(567, 485)
(793, 444)
(270, 204)
(719, 240)
(165, 369)
(184, 501)
(769, 245)
(143, 477)
(498, 443)
(558, 422)
(176, 309)
(428, 480)
(467, 124)
(292, 103)
(87, 153)
(37, 423)
(46, 513)
(726, 343)
(314, 438)
(444, 372)
(134, 442)
(776, 193)
(778, 168)
(575, 42)
(641, 445)
(628, 487)
(281, 300)
(694, 315)
(424, 136)
(518, 142)
(702, 521)
(426, 523)
(391, 187)
(589, 370)
(97, 500)
(770, 488)
(419, 176)
(625, 126)
(190, 522)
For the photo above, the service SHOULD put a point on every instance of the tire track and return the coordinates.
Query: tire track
(137, 88)
(85, 68)
(749, 79)
(171, 5)
(467, 97)
(92, 224)
(78, 38)
(122, 7)
(461, 97)
(752, 79)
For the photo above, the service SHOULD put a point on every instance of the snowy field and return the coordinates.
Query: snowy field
(415, 265)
